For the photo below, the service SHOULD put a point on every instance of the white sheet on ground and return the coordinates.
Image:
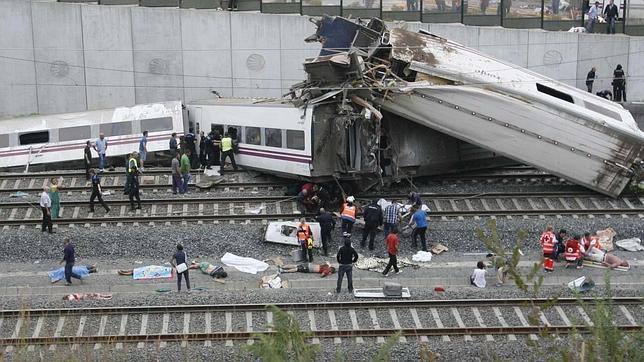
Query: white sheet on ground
(422, 256)
(633, 244)
(243, 264)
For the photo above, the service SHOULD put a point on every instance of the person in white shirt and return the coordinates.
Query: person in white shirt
(478, 275)
(45, 206)
(592, 14)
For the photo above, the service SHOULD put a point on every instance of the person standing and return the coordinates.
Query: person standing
(560, 244)
(54, 195)
(348, 214)
(143, 150)
(176, 173)
(327, 224)
(189, 140)
(97, 192)
(547, 241)
(392, 242)
(590, 79)
(210, 150)
(88, 159)
(100, 146)
(392, 217)
(134, 189)
(372, 216)
(45, 206)
(202, 150)
(611, 13)
(174, 148)
(69, 259)
(347, 255)
(420, 219)
(185, 171)
(592, 17)
(227, 151)
(178, 259)
(414, 199)
(619, 84)
(303, 236)
(501, 265)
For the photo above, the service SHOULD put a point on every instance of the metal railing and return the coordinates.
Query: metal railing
(523, 14)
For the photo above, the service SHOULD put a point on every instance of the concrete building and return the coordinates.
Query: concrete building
(66, 57)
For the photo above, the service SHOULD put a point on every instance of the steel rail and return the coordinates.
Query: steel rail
(81, 173)
(196, 308)
(292, 216)
(152, 186)
(384, 332)
(273, 198)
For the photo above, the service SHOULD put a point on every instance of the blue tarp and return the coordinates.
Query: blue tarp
(59, 274)
(152, 272)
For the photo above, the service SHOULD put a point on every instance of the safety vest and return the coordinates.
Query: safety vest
(132, 165)
(226, 144)
(309, 243)
(303, 232)
(547, 236)
(348, 212)
(592, 243)
(572, 252)
(548, 246)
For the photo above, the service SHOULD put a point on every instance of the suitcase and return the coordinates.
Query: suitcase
(392, 290)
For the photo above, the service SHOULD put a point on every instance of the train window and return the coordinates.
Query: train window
(74, 133)
(253, 136)
(116, 129)
(4, 140)
(34, 137)
(555, 93)
(273, 137)
(217, 128)
(295, 139)
(156, 124)
(235, 133)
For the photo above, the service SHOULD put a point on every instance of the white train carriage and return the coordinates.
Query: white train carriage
(273, 136)
(62, 137)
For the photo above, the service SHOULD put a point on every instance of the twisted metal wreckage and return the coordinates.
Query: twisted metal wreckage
(367, 76)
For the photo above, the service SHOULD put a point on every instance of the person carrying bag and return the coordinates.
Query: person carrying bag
(179, 261)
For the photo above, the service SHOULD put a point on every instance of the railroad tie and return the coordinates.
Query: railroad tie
(524, 322)
(122, 330)
(459, 321)
(479, 319)
(439, 323)
(229, 328)
(208, 328)
(355, 325)
(164, 329)
(499, 316)
(59, 328)
(186, 328)
(36, 334)
(101, 331)
(144, 330)
(334, 326)
(313, 326)
(16, 333)
(79, 331)
(394, 319)
(417, 324)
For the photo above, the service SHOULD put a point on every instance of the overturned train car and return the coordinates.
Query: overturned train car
(483, 101)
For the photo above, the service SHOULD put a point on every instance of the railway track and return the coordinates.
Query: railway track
(349, 321)
(263, 208)
(159, 179)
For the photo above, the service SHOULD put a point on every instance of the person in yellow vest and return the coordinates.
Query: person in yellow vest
(227, 151)
(348, 214)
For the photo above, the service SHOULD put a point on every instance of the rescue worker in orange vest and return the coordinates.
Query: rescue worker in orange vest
(348, 214)
(547, 241)
(574, 251)
(305, 238)
(591, 241)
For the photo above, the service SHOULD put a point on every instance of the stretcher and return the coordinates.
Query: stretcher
(594, 264)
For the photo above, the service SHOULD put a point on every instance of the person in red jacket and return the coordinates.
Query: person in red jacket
(392, 241)
(574, 251)
(547, 241)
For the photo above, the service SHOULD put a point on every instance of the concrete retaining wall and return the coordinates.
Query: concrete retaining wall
(63, 57)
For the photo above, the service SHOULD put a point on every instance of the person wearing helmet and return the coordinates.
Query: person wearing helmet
(348, 214)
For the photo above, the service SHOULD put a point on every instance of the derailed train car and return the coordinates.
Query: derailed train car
(468, 95)
(316, 143)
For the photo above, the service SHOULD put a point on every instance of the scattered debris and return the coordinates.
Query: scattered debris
(19, 194)
(632, 244)
(243, 264)
(581, 284)
(606, 238)
(422, 256)
(208, 181)
(272, 282)
(390, 290)
(378, 264)
(439, 248)
(285, 232)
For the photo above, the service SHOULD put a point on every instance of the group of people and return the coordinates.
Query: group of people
(575, 250)
(214, 148)
(611, 13)
(619, 84)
